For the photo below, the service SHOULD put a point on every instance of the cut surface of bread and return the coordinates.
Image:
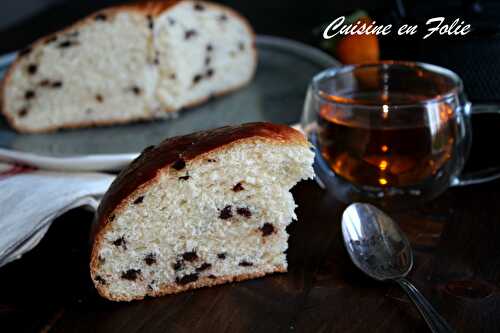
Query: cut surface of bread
(129, 63)
(200, 210)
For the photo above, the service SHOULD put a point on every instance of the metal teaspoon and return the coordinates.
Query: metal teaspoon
(380, 249)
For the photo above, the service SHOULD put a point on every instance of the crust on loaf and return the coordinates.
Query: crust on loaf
(152, 7)
(144, 170)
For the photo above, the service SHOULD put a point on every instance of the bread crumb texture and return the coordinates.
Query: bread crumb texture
(219, 218)
(129, 63)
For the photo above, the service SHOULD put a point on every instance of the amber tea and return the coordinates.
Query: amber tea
(392, 133)
(394, 148)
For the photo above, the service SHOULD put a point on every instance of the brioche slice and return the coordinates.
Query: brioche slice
(199, 210)
(128, 63)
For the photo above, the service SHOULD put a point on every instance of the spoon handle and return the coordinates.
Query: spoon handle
(436, 323)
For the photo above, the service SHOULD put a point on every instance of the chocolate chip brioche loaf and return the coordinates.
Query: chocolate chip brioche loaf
(128, 63)
(199, 210)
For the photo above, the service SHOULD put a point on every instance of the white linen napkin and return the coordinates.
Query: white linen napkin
(30, 199)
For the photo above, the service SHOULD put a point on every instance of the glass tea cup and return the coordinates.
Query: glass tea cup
(391, 133)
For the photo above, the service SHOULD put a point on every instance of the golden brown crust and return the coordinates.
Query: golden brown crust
(152, 7)
(201, 283)
(144, 169)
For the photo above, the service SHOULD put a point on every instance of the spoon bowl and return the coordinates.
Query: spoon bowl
(375, 243)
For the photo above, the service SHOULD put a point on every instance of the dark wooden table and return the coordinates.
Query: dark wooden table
(457, 266)
(456, 241)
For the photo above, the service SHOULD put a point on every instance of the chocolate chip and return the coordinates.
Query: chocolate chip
(131, 274)
(150, 286)
(197, 78)
(241, 46)
(44, 83)
(245, 263)
(267, 229)
(32, 68)
(190, 256)
(204, 267)
(226, 213)
(211, 276)
(211, 160)
(186, 177)
(23, 112)
(101, 260)
(244, 211)
(210, 47)
(100, 280)
(177, 266)
(223, 17)
(101, 17)
(29, 94)
(179, 164)
(120, 242)
(66, 44)
(56, 84)
(112, 217)
(172, 76)
(187, 279)
(99, 98)
(221, 255)
(139, 200)
(190, 33)
(238, 187)
(211, 97)
(150, 259)
(25, 51)
(151, 23)
(209, 72)
(207, 61)
(199, 6)
(50, 39)
(136, 90)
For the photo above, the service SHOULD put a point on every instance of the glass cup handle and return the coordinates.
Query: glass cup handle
(486, 175)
